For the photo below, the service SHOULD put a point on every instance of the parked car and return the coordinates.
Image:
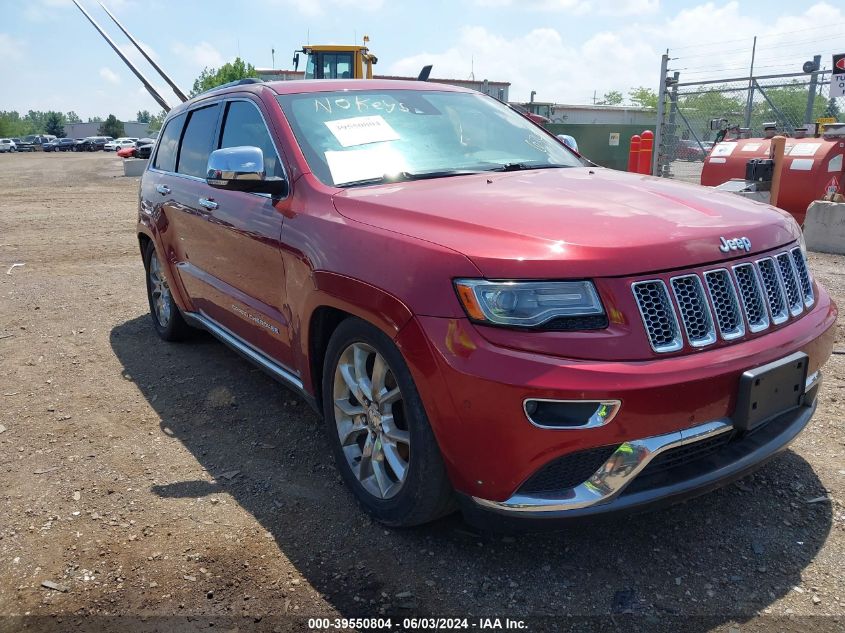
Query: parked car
(49, 146)
(690, 150)
(482, 319)
(77, 144)
(114, 145)
(91, 144)
(7, 145)
(23, 146)
(64, 144)
(141, 148)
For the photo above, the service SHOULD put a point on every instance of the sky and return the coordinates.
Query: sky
(566, 50)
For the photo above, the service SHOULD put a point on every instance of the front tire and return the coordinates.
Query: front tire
(382, 442)
(167, 319)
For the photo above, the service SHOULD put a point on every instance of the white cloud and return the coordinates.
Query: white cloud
(566, 69)
(109, 75)
(11, 48)
(200, 55)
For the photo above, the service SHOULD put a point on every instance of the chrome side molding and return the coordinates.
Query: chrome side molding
(245, 349)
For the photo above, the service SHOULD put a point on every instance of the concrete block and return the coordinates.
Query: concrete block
(134, 166)
(824, 227)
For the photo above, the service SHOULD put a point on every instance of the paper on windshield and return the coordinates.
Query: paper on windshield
(363, 164)
(362, 130)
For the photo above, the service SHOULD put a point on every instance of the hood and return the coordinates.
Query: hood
(571, 222)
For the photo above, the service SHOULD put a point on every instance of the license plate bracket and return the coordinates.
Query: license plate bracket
(769, 390)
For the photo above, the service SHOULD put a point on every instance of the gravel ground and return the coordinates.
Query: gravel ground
(152, 486)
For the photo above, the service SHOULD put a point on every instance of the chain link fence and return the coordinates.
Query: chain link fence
(744, 105)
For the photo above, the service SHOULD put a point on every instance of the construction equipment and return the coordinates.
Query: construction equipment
(337, 61)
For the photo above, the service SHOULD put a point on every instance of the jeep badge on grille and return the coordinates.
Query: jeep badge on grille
(738, 243)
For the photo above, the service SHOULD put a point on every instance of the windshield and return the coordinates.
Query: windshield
(364, 137)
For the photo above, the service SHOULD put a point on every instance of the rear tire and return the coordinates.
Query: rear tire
(167, 319)
(373, 415)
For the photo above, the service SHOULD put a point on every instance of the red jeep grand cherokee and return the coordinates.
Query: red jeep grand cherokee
(482, 318)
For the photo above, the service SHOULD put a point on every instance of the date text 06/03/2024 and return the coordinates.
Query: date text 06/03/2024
(415, 624)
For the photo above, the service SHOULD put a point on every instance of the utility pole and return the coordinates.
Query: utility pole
(661, 112)
(811, 97)
(750, 103)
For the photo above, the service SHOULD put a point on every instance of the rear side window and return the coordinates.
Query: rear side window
(196, 142)
(169, 143)
(244, 126)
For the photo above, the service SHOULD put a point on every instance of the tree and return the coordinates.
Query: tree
(112, 127)
(643, 97)
(156, 121)
(11, 124)
(95, 119)
(54, 123)
(613, 98)
(143, 116)
(72, 117)
(232, 71)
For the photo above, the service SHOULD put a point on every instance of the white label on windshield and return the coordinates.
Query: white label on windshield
(364, 163)
(362, 130)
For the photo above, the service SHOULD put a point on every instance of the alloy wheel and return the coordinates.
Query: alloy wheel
(370, 418)
(160, 292)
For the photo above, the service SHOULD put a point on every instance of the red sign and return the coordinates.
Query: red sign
(840, 63)
(832, 186)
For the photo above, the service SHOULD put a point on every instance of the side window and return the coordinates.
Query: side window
(196, 142)
(244, 126)
(166, 155)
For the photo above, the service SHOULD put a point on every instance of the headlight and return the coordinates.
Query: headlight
(531, 303)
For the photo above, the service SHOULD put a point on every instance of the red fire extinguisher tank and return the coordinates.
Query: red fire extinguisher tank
(811, 168)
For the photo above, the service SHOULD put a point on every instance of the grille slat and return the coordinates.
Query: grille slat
(752, 297)
(658, 315)
(725, 303)
(790, 283)
(803, 276)
(774, 290)
(758, 294)
(695, 313)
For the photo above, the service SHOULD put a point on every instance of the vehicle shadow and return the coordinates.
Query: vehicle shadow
(728, 555)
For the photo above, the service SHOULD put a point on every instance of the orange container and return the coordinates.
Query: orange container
(811, 168)
(646, 148)
(634, 154)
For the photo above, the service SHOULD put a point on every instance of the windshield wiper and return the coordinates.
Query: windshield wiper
(405, 176)
(524, 166)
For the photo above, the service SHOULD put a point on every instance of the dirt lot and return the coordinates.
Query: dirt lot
(147, 479)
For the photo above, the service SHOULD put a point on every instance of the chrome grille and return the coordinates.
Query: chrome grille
(774, 290)
(725, 303)
(758, 294)
(695, 313)
(803, 276)
(658, 315)
(790, 283)
(752, 297)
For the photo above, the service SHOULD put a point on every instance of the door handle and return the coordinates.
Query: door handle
(208, 203)
(163, 189)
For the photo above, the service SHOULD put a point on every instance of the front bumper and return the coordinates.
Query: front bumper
(474, 390)
(613, 489)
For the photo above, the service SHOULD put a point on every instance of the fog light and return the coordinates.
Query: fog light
(570, 414)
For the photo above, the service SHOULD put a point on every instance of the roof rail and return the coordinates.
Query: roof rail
(237, 82)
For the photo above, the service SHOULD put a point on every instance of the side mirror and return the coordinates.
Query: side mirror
(296, 61)
(242, 169)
